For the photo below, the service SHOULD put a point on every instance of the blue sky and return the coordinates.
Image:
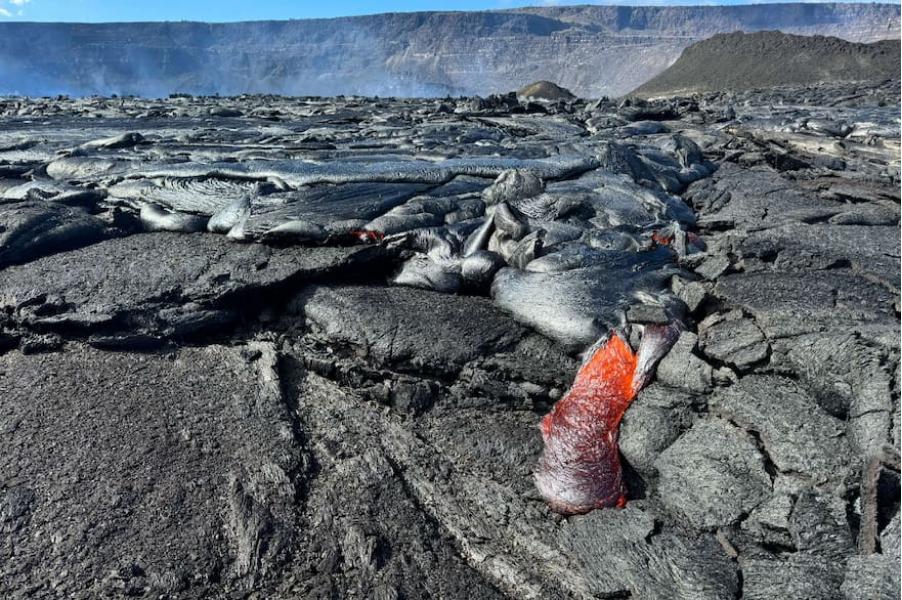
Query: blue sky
(241, 10)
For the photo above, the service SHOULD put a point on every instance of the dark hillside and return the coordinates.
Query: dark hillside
(739, 61)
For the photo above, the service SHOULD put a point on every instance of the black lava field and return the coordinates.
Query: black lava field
(274, 347)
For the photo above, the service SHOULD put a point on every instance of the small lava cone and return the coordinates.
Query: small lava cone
(544, 91)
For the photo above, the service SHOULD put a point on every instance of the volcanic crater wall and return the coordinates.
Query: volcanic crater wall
(591, 50)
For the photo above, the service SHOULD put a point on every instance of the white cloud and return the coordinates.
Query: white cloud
(14, 5)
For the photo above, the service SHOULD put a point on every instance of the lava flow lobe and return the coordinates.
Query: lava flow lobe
(580, 470)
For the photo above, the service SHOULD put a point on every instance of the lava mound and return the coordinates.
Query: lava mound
(742, 61)
(544, 91)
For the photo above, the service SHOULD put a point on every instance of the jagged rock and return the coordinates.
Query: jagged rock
(851, 377)
(712, 475)
(616, 547)
(412, 397)
(798, 436)
(713, 267)
(819, 526)
(733, 340)
(889, 538)
(692, 293)
(769, 522)
(656, 418)
(681, 369)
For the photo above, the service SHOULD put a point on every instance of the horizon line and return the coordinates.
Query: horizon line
(652, 4)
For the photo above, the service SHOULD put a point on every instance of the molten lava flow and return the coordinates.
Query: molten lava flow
(366, 236)
(665, 237)
(580, 467)
(662, 239)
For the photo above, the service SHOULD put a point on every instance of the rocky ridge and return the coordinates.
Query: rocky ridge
(591, 50)
(740, 61)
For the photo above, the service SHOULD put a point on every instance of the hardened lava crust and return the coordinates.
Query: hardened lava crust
(272, 347)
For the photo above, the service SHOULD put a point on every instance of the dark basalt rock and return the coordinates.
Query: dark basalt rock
(657, 417)
(792, 303)
(734, 340)
(616, 548)
(797, 576)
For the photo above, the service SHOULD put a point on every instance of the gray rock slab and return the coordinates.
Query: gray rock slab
(755, 199)
(889, 537)
(402, 326)
(712, 475)
(127, 283)
(655, 419)
(733, 340)
(619, 555)
(769, 522)
(869, 249)
(851, 377)
(682, 369)
(793, 303)
(367, 532)
(800, 438)
(820, 527)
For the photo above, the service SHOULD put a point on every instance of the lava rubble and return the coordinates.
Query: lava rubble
(266, 347)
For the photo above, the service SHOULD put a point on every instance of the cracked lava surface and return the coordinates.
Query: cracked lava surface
(303, 350)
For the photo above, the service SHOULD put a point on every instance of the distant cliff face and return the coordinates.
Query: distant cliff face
(591, 50)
